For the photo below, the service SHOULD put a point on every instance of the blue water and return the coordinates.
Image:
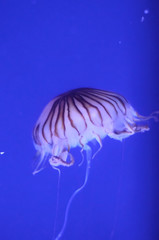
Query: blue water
(46, 48)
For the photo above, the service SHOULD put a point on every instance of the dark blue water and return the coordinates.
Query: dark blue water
(46, 48)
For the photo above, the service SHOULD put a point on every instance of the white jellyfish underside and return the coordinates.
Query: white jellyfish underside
(77, 117)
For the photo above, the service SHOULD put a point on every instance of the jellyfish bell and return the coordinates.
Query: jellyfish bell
(77, 117)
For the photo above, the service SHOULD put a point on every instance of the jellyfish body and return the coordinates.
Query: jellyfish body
(77, 117)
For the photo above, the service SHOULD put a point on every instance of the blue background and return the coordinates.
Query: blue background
(46, 48)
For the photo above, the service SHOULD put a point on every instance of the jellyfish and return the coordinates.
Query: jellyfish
(75, 118)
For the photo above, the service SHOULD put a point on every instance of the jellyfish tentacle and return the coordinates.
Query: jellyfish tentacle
(81, 162)
(40, 161)
(82, 149)
(153, 115)
(98, 139)
(88, 158)
(57, 200)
